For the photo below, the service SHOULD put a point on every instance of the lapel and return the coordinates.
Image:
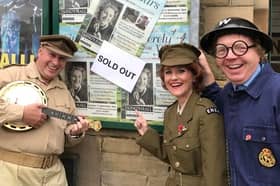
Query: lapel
(177, 125)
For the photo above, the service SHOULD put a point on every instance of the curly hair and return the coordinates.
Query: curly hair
(196, 71)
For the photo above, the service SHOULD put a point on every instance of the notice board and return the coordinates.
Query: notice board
(102, 100)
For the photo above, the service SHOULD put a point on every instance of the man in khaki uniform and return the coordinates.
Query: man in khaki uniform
(193, 138)
(30, 157)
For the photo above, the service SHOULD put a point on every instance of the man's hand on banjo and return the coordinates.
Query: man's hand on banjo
(80, 127)
(33, 115)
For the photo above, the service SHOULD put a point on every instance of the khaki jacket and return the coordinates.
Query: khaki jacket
(193, 144)
(50, 137)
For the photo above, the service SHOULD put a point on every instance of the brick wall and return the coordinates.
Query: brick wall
(112, 158)
(214, 10)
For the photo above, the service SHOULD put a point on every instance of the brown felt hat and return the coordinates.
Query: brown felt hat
(59, 44)
(178, 54)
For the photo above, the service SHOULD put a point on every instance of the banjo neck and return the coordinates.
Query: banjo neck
(60, 115)
(95, 125)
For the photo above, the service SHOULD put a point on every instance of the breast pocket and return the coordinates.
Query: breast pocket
(261, 135)
(62, 105)
(262, 153)
(185, 155)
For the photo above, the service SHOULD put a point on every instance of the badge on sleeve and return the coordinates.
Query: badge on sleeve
(266, 158)
(212, 110)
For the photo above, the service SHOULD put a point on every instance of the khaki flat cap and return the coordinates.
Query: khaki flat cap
(59, 44)
(178, 54)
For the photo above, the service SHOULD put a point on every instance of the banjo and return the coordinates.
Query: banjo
(27, 92)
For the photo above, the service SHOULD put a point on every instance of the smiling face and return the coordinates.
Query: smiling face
(49, 64)
(238, 69)
(76, 78)
(143, 80)
(106, 16)
(178, 81)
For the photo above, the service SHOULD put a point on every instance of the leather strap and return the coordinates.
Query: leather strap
(28, 160)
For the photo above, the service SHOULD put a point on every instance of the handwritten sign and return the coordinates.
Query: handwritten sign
(118, 66)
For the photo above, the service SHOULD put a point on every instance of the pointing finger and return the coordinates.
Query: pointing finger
(138, 113)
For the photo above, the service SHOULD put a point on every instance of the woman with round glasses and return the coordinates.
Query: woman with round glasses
(250, 101)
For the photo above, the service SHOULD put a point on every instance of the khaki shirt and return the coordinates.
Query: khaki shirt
(50, 137)
(193, 144)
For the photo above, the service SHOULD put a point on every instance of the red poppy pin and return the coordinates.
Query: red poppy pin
(181, 128)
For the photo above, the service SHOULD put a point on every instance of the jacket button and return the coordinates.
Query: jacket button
(165, 141)
(177, 164)
(187, 146)
(263, 138)
(174, 147)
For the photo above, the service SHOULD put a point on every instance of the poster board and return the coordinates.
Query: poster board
(114, 107)
(22, 23)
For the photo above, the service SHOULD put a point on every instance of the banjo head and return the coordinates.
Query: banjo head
(22, 93)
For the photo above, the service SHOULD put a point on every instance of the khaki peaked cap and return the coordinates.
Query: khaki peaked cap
(59, 44)
(178, 54)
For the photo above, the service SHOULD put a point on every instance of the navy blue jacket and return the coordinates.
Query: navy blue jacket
(252, 124)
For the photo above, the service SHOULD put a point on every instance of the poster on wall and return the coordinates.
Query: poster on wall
(20, 30)
(103, 100)
(71, 15)
(73, 11)
(173, 26)
(107, 101)
(148, 96)
(125, 24)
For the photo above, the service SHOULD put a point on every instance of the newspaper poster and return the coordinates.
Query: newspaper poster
(20, 31)
(126, 24)
(103, 98)
(97, 97)
(172, 27)
(73, 11)
(71, 31)
(71, 15)
(93, 95)
(148, 96)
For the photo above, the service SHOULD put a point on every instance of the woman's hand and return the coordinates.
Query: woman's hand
(140, 123)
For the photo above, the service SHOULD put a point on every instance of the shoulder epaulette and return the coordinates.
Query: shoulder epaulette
(209, 106)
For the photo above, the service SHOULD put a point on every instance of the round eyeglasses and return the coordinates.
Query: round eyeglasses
(239, 48)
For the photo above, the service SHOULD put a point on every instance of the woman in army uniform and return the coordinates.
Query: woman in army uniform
(193, 138)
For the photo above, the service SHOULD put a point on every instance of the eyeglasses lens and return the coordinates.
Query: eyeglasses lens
(239, 48)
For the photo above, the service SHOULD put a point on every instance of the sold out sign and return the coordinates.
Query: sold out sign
(118, 66)
(115, 66)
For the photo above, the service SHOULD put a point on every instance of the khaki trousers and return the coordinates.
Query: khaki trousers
(16, 175)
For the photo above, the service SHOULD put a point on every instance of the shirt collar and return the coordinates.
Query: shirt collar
(180, 110)
(250, 80)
